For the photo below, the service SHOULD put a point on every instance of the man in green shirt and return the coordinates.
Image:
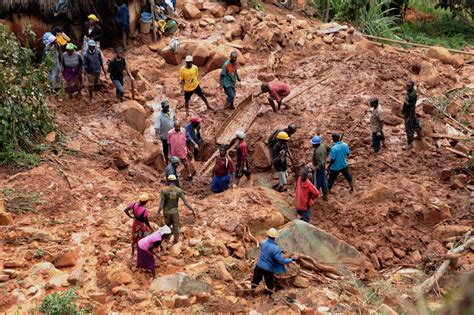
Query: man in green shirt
(170, 196)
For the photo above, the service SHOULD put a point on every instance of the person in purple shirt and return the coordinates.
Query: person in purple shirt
(148, 246)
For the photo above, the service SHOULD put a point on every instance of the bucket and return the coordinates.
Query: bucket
(145, 22)
(146, 17)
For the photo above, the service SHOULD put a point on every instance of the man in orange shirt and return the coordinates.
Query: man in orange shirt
(305, 195)
(278, 91)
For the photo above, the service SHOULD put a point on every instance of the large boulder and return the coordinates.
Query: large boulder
(202, 53)
(440, 53)
(220, 55)
(151, 152)
(429, 75)
(261, 157)
(180, 283)
(5, 217)
(133, 114)
(67, 258)
(170, 56)
(119, 274)
(378, 193)
(216, 9)
(190, 11)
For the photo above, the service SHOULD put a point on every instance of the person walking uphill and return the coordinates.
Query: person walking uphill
(222, 172)
(172, 169)
(93, 62)
(229, 78)
(170, 196)
(279, 159)
(91, 31)
(188, 77)
(412, 125)
(270, 262)
(140, 226)
(338, 163)
(278, 91)
(376, 124)
(193, 136)
(320, 155)
(148, 246)
(177, 147)
(116, 67)
(72, 69)
(243, 167)
(164, 122)
(51, 56)
(305, 195)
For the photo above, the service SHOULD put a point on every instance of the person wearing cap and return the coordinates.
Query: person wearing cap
(306, 193)
(193, 136)
(91, 31)
(223, 171)
(228, 79)
(72, 69)
(320, 155)
(140, 226)
(412, 124)
(93, 62)
(338, 161)
(279, 160)
(164, 122)
(188, 77)
(149, 246)
(272, 140)
(170, 196)
(116, 67)
(376, 124)
(172, 169)
(243, 167)
(177, 147)
(270, 263)
(278, 91)
(51, 56)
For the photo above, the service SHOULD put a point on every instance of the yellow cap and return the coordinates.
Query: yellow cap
(272, 233)
(143, 197)
(283, 136)
(92, 17)
(172, 178)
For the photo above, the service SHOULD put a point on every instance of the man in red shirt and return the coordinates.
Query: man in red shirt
(223, 170)
(305, 195)
(278, 91)
(177, 147)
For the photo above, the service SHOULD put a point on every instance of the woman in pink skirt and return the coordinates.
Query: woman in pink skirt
(149, 246)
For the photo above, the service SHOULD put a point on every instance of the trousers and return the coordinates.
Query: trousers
(119, 87)
(321, 180)
(377, 140)
(334, 174)
(412, 124)
(259, 274)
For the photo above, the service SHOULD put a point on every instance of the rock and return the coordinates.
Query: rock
(138, 296)
(121, 159)
(379, 192)
(40, 268)
(300, 24)
(367, 45)
(223, 271)
(98, 297)
(328, 39)
(444, 231)
(133, 114)
(429, 75)
(261, 157)
(202, 54)
(229, 19)
(30, 234)
(301, 282)
(13, 264)
(175, 250)
(387, 310)
(150, 153)
(428, 108)
(181, 301)
(119, 274)
(375, 261)
(5, 217)
(76, 277)
(51, 137)
(220, 55)
(416, 256)
(454, 108)
(60, 280)
(235, 30)
(456, 184)
(392, 120)
(462, 147)
(190, 11)
(440, 53)
(170, 56)
(180, 283)
(202, 297)
(457, 61)
(232, 10)
(120, 290)
(66, 259)
(436, 211)
(446, 174)
(399, 253)
(4, 278)
(217, 10)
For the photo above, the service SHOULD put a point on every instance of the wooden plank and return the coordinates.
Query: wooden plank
(458, 152)
(448, 136)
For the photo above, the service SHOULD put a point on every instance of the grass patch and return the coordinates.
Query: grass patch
(18, 201)
(61, 304)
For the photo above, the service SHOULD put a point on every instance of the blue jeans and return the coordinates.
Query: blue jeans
(119, 87)
(376, 141)
(230, 92)
(305, 215)
(220, 183)
(53, 75)
(321, 180)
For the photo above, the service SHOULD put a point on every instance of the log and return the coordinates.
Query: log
(429, 283)
(458, 152)
(451, 137)
(457, 122)
(318, 265)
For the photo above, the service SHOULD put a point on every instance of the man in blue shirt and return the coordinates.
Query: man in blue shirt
(193, 136)
(270, 262)
(163, 124)
(338, 163)
(228, 79)
(93, 62)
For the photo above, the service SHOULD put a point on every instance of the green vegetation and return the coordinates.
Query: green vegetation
(24, 117)
(60, 304)
(376, 19)
(19, 201)
(256, 5)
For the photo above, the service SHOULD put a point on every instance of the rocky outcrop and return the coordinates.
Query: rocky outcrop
(133, 114)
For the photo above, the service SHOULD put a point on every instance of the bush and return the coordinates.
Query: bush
(375, 19)
(60, 304)
(24, 116)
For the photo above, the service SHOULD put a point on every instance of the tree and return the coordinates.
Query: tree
(24, 117)
(463, 9)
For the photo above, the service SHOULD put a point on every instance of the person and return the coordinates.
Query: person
(172, 169)
(140, 226)
(72, 64)
(93, 62)
(412, 125)
(278, 91)
(148, 246)
(228, 79)
(338, 161)
(170, 196)
(305, 195)
(91, 31)
(116, 67)
(279, 160)
(163, 124)
(52, 58)
(243, 167)
(222, 172)
(177, 147)
(320, 154)
(272, 140)
(376, 124)
(188, 78)
(193, 136)
(270, 263)
(123, 19)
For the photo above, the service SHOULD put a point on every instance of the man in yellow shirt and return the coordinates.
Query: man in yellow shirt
(188, 77)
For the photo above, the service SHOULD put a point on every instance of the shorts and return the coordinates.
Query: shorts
(283, 178)
(188, 94)
(172, 220)
(93, 79)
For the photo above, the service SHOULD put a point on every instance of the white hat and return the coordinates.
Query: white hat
(189, 58)
(240, 134)
(164, 230)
